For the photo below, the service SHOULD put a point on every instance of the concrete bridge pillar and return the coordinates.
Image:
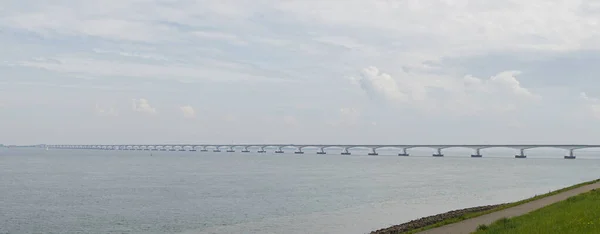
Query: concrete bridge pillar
(373, 152)
(279, 150)
(230, 150)
(245, 150)
(217, 150)
(477, 154)
(299, 151)
(438, 153)
(571, 154)
(321, 151)
(262, 150)
(346, 152)
(522, 154)
(404, 152)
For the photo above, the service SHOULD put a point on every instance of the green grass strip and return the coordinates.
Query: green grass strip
(577, 215)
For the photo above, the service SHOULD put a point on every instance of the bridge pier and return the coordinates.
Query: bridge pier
(279, 151)
(477, 154)
(262, 150)
(373, 152)
(321, 151)
(438, 153)
(404, 153)
(299, 151)
(571, 154)
(346, 152)
(217, 150)
(230, 150)
(522, 155)
(203, 149)
(245, 150)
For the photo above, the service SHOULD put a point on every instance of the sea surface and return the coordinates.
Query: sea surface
(87, 191)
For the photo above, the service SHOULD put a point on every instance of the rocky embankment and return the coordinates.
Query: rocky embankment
(430, 220)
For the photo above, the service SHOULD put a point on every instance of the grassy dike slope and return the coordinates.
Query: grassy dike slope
(436, 221)
(578, 215)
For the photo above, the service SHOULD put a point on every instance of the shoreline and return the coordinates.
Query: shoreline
(455, 216)
(434, 219)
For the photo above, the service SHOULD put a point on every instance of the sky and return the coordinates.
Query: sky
(299, 71)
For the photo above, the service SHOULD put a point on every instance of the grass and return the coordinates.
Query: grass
(506, 206)
(579, 214)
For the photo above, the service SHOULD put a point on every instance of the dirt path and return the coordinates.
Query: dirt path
(470, 225)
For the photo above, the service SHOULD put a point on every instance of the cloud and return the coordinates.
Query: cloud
(462, 26)
(142, 105)
(501, 92)
(503, 83)
(187, 111)
(413, 56)
(379, 85)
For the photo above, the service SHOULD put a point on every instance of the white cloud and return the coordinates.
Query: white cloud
(142, 105)
(106, 112)
(188, 111)
(382, 85)
(503, 83)
(501, 92)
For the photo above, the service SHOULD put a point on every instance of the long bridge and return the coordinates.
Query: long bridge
(298, 149)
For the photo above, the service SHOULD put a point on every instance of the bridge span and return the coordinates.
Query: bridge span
(321, 148)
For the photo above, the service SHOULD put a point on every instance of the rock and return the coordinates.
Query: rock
(430, 220)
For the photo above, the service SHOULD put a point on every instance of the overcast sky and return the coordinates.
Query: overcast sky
(299, 71)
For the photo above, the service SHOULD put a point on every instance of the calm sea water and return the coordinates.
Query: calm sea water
(79, 191)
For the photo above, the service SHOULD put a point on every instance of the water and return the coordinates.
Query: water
(79, 191)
